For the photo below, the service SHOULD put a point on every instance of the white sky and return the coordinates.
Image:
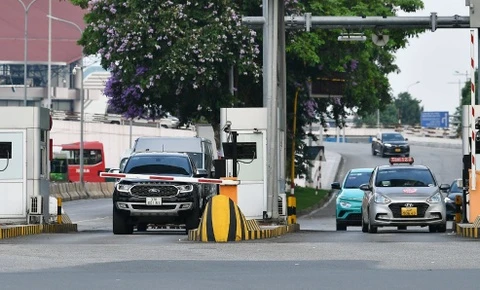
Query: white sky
(433, 58)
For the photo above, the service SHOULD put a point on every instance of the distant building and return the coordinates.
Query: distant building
(65, 55)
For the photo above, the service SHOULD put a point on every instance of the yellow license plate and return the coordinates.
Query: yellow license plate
(409, 211)
(398, 150)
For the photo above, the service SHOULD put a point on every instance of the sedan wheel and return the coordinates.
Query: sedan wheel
(402, 228)
(341, 227)
(364, 226)
(432, 229)
(371, 229)
(442, 228)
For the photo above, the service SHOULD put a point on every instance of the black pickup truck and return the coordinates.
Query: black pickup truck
(140, 202)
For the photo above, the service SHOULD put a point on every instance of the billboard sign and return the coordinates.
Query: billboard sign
(434, 120)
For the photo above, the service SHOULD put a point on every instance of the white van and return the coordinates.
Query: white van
(199, 149)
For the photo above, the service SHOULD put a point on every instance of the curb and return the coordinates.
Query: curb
(308, 211)
(27, 230)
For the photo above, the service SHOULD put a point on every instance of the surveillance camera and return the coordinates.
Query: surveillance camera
(227, 126)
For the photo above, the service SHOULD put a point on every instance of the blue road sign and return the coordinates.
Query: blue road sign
(434, 120)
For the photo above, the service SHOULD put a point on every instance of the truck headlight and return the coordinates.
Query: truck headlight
(382, 199)
(436, 198)
(184, 188)
(124, 187)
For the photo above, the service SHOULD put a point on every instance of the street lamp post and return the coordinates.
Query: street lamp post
(26, 8)
(411, 85)
(82, 98)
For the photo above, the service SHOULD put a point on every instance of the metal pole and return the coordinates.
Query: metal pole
(234, 153)
(231, 80)
(272, 108)
(294, 132)
(130, 141)
(472, 113)
(49, 73)
(25, 49)
(349, 22)
(82, 101)
(82, 108)
(266, 57)
(378, 120)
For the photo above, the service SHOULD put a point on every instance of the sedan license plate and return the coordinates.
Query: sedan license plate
(409, 211)
(398, 150)
(154, 201)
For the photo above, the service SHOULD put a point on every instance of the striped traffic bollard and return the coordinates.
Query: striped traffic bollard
(59, 210)
(292, 210)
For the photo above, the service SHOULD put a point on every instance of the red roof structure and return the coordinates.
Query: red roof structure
(65, 49)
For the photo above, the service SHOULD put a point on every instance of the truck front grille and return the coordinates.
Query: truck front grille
(154, 190)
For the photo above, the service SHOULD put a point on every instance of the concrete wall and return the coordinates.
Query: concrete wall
(115, 138)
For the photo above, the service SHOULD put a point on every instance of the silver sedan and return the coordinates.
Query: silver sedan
(401, 196)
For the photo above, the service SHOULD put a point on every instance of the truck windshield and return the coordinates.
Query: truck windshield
(162, 165)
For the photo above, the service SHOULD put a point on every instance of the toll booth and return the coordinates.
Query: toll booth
(24, 164)
(247, 127)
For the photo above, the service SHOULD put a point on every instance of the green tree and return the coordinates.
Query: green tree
(409, 109)
(466, 100)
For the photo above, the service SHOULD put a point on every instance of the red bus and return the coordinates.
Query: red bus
(93, 161)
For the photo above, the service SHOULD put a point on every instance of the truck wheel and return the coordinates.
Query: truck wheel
(120, 223)
(142, 227)
(193, 219)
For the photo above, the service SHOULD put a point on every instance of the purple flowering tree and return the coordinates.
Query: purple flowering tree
(168, 54)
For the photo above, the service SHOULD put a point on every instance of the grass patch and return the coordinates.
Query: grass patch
(306, 197)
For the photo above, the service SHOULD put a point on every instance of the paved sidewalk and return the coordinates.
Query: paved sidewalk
(330, 168)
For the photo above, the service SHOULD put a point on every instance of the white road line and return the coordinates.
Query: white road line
(86, 221)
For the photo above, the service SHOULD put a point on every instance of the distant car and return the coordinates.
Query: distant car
(349, 198)
(402, 194)
(452, 193)
(390, 144)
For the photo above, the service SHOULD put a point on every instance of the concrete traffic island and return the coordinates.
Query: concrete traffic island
(222, 221)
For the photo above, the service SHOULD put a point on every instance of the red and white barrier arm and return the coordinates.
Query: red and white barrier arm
(170, 178)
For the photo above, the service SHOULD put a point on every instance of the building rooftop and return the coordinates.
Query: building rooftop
(64, 35)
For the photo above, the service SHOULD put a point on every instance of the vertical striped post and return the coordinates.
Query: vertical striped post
(472, 97)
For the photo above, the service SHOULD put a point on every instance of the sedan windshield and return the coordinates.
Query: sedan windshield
(402, 177)
(355, 179)
(392, 137)
(164, 165)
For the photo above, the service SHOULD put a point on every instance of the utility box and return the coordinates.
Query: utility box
(24, 164)
(250, 124)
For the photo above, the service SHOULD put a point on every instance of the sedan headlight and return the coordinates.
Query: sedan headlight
(345, 204)
(184, 188)
(124, 187)
(382, 199)
(436, 198)
(388, 145)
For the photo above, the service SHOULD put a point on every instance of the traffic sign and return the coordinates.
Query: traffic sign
(434, 120)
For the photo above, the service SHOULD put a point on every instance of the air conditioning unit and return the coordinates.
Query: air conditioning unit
(282, 204)
(36, 205)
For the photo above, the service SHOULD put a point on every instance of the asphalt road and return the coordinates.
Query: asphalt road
(318, 257)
